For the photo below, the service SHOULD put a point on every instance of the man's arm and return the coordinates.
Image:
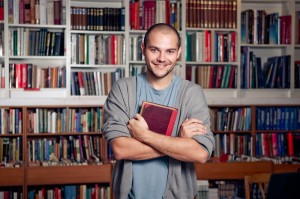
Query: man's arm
(182, 148)
(132, 149)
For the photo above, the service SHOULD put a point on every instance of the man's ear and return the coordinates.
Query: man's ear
(143, 48)
(179, 52)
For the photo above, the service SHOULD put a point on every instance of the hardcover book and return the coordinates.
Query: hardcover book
(159, 118)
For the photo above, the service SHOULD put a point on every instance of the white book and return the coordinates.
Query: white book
(16, 5)
(92, 49)
(43, 12)
(53, 121)
(50, 12)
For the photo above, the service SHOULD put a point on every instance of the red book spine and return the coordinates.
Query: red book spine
(233, 46)
(80, 82)
(24, 75)
(167, 11)
(290, 144)
(232, 77)
(18, 75)
(207, 46)
(1, 10)
(219, 76)
(57, 11)
(113, 49)
(211, 76)
(136, 19)
(21, 12)
(274, 144)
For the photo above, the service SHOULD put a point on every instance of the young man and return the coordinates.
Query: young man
(150, 165)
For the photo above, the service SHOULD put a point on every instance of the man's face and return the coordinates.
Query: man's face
(161, 53)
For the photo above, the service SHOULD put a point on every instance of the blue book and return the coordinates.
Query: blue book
(274, 20)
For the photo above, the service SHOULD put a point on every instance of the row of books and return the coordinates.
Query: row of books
(12, 192)
(278, 144)
(97, 49)
(231, 119)
(278, 118)
(10, 121)
(97, 19)
(79, 148)
(213, 76)
(258, 27)
(199, 46)
(10, 151)
(274, 145)
(235, 144)
(297, 74)
(274, 73)
(31, 76)
(211, 14)
(94, 83)
(135, 51)
(88, 191)
(60, 120)
(37, 42)
(63, 120)
(205, 191)
(145, 13)
(44, 12)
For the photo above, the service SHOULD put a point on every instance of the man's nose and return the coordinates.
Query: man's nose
(161, 56)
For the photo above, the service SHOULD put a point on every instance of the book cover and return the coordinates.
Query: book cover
(159, 118)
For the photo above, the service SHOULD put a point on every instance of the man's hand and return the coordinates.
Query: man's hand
(137, 126)
(191, 127)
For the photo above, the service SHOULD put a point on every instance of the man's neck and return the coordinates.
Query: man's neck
(159, 83)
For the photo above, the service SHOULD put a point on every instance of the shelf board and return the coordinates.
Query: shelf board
(285, 168)
(69, 174)
(230, 170)
(12, 176)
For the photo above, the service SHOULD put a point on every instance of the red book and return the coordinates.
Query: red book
(24, 75)
(233, 47)
(290, 144)
(57, 11)
(1, 10)
(232, 77)
(160, 118)
(274, 144)
(18, 75)
(80, 82)
(21, 12)
(207, 45)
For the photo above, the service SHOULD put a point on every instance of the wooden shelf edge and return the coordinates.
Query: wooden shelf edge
(69, 174)
(237, 170)
(12, 176)
(230, 170)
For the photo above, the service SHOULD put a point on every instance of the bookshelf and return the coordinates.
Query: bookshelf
(129, 58)
(73, 61)
(56, 143)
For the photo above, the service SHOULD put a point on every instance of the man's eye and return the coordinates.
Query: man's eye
(171, 51)
(153, 50)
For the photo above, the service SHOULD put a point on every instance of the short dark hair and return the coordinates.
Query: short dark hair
(161, 27)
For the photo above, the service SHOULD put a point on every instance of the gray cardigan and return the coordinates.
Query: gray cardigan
(120, 107)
